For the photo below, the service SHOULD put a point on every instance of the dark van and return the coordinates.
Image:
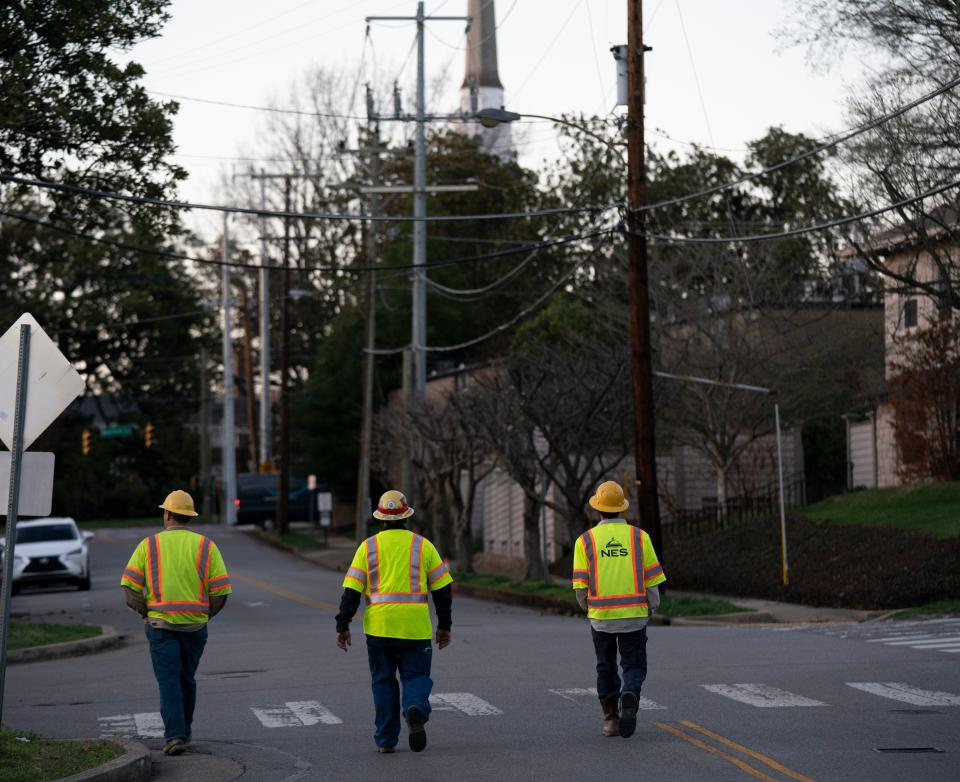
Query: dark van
(257, 498)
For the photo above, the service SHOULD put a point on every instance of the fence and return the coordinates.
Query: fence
(736, 511)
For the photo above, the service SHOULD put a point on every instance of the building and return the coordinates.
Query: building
(481, 88)
(908, 253)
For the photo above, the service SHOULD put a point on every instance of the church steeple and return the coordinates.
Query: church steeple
(481, 52)
(481, 88)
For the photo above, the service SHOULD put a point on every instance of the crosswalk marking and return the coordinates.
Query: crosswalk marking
(465, 702)
(761, 695)
(572, 693)
(147, 725)
(899, 691)
(295, 714)
(924, 640)
(932, 635)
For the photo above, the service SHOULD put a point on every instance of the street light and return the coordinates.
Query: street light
(490, 118)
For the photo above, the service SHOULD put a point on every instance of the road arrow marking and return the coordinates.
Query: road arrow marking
(761, 695)
(465, 702)
(147, 725)
(572, 693)
(295, 714)
(899, 691)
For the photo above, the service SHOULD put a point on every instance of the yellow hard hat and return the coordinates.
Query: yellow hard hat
(393, 506)
(609, 498)
(179, 502)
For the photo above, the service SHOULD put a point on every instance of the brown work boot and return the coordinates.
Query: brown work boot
(175, 746)
(611, 716)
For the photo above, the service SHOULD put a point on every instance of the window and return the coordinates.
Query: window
(47, 533)
(909, 313)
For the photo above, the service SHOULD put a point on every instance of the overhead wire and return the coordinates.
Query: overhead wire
(805, 229)
(256, 212)
(547, 51)
(171, 255)
(498, 329)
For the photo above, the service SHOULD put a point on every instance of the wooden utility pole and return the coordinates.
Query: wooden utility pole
(249, 392)
(641, 358)
(283, 490)
(206, 498)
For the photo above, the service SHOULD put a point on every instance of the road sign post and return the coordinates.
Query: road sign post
(45, 375)
(13, 505)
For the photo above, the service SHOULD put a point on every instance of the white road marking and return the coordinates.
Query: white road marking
(147, 725)
(761, 695)
(295, 714)
(899, 691)
(465, 702)
(930, 639)
(258, 604)
(572, 693)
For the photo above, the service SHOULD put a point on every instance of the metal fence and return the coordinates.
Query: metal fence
(736, 511)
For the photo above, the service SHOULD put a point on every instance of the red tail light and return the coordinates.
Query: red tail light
(237, 502)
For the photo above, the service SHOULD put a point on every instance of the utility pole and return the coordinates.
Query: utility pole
(205, 504)
(370, 253)
(418, 324)
(248, 391)
(265, 433)
(641, 358)
(229, 425)
(283, 520)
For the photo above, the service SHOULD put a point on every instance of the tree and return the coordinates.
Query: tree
(918, 42)
(925, 394)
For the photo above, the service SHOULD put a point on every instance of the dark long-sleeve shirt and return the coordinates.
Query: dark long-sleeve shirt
(350, 602)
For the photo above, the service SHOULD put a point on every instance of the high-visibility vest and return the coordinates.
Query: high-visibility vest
(177, 570)
(616, 564)
(395, 569)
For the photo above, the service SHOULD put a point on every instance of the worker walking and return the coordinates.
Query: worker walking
(395, 569)
(176, 581)
(615, 573)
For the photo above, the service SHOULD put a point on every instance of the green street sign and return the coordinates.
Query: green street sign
(120, 430)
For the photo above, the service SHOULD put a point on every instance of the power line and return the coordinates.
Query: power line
(245, 210)
(828, 144)
(805, 229)
(169, 254)
(499, 329)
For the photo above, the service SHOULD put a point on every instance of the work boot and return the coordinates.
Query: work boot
(175, 746)
(628, 714)
(611, 716)
(418, 734)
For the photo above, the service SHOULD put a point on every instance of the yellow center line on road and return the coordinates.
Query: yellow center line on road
(747, 751)
(296, 597)
(743, 766)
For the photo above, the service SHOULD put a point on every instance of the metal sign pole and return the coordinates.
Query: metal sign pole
(16, 454)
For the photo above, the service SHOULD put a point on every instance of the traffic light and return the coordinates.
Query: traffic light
(148, 435)
(85, 442)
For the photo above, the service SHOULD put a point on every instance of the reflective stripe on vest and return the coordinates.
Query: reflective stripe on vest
(203, 563)
(134, 575)
(635, 599)
(372, 576)
(153, 554)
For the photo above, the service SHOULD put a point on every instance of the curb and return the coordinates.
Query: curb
(286, 547)
(133, 766)
(108, 639)
(739, 618)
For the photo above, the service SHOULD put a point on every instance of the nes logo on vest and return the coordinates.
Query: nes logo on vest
(614, 549)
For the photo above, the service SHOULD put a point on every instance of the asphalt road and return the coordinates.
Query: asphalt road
(512, 692)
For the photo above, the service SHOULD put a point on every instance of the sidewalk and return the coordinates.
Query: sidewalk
(786, 613)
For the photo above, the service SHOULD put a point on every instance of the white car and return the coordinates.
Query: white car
(50, 551)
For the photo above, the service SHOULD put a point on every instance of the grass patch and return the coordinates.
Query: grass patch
(697, 606)
(41, 760)
(671, 606)
(931, 508)
(936, 608)
(24, 634)
(300, 541)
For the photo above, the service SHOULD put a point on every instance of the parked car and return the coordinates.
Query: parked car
(50, 551)
(257, 498)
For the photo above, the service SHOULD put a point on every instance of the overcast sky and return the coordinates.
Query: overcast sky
(716, 76)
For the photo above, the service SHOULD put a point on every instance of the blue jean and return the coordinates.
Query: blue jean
(175, 657)
(413, 663)
(633, 660)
